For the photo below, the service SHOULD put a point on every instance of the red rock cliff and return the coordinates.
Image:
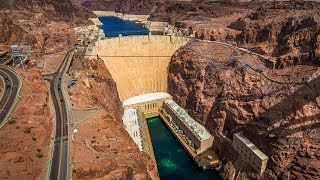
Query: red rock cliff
(46, 25)
(284, 30)
(102, 148)
(229, 91)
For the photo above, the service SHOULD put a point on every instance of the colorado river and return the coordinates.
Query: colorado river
(172, 160)
(114, 26)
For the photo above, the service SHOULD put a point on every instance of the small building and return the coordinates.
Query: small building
(249, 152)
(195, 134)
(131, 123)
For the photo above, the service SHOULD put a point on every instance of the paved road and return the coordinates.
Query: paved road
(60, 158)
(11, 89)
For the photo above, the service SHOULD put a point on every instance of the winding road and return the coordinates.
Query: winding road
(11, 88)
(59, 168)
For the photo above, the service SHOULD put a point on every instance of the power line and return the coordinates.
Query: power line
(33, 52)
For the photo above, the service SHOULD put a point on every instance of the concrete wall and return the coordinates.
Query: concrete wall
(138, 64)
(149, 108)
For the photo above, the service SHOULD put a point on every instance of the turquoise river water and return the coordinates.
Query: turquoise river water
(173, 161)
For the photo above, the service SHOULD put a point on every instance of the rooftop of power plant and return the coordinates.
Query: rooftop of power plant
(198, 130)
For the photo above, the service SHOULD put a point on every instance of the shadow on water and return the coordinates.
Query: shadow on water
(173, 161)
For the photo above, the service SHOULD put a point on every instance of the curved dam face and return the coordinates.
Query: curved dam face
(138, 64)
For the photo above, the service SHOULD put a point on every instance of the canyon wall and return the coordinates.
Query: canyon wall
(285, 31)
(230, 91)
(288, 32)
(46, 25)
(102, 148)
(122, 6)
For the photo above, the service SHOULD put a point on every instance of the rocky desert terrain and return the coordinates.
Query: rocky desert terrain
(230, 91)
(45, 25)
(225, 89)
(25, 139)
(285, 31)
(102, 148)
(48, 27)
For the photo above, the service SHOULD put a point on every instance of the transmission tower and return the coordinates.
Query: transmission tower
(20, 54)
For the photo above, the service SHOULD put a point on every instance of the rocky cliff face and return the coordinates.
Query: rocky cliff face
(44, 35)
(45, 25)
(122, 6)
(55, 10)
(102, 147)
(278, 110)
(197, 10)
(287, 31)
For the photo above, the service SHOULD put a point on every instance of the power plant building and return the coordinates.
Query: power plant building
(249, 152)
(193, 132)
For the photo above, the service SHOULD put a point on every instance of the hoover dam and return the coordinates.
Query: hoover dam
(178, 89)
(138, 64)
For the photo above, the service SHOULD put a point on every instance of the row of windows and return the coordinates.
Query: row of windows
(135, 134)
(150, 106)
(245, 151)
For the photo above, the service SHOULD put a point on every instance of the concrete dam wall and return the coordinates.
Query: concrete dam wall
(138, 64)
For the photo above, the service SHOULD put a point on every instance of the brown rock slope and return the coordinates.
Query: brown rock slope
(285, 31)
(288, 31)
(278, 110)
(55, 10)
(102, 148)
(43, 35)
(25, 139)
(46, 25)
(122, 6)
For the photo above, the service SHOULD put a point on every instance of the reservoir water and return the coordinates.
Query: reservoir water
(173, 161)
(113, 26)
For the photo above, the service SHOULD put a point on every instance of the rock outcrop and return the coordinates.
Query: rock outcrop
(54, 10)
(122, 6)
(25, 138)
(287, 31)
(102, 148)
(229, 91)
(46, 25)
